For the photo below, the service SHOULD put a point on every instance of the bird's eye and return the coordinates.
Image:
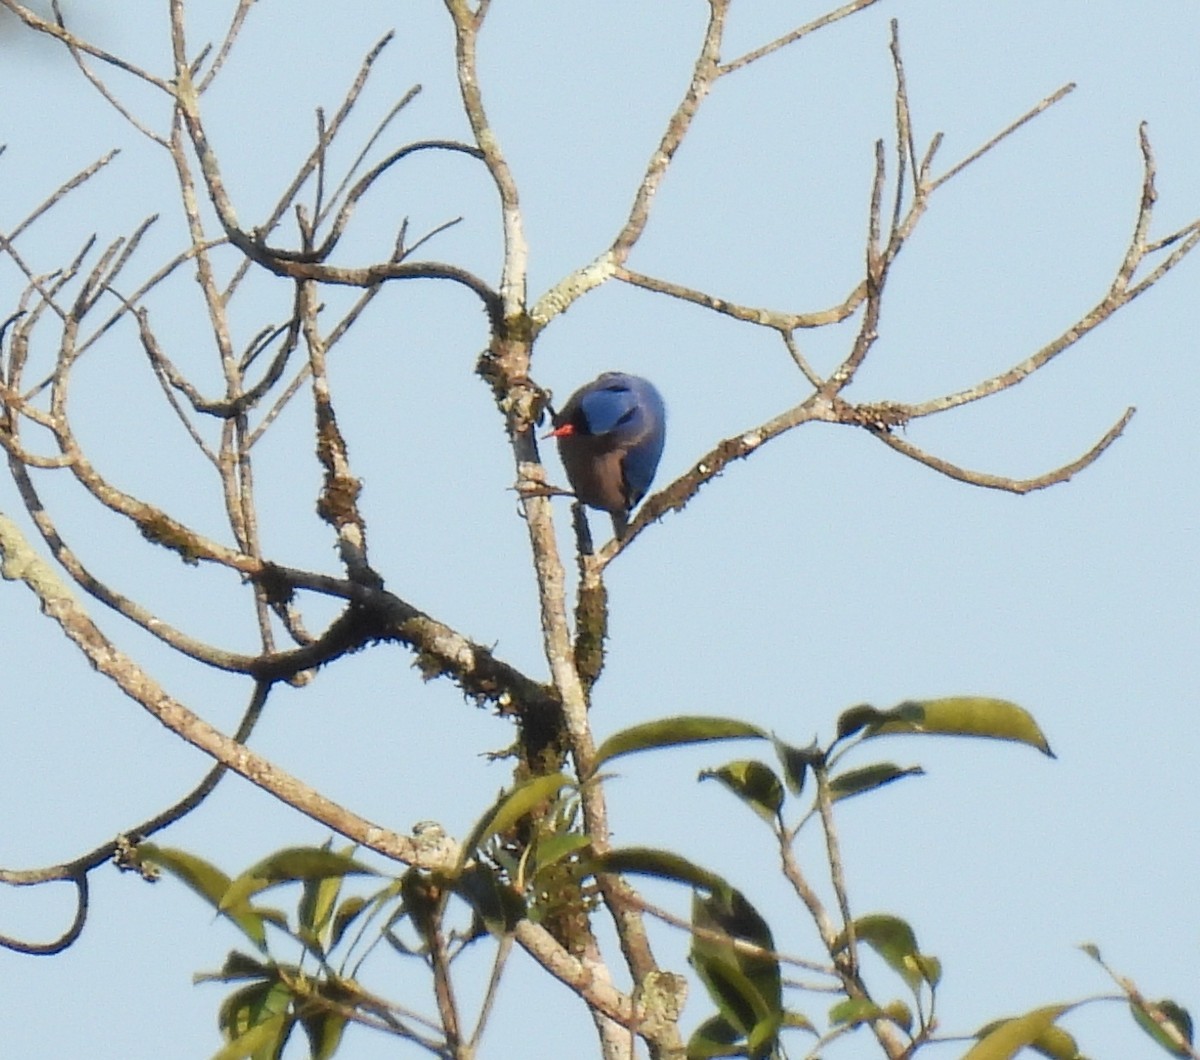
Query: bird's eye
(627, 416)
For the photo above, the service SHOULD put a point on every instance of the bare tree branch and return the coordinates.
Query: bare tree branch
(68, 937)
(20, 562)
(235, 26)
(1003, 134)
(59, 193)
(553, 715)
(77, 869)
(1000, 482)
(98, 83)
(769, 318)
(467, 24)
(797, 34)
(51, 29)
(704, 74)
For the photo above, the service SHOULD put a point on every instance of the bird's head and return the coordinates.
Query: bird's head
(614, 405)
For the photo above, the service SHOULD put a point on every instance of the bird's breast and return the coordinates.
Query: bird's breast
(595, 471)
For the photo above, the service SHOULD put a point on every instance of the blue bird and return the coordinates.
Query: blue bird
(610, 436)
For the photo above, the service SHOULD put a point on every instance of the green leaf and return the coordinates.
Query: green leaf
(201, 876)
(746, 987)
(317, 902)
(237, 967)
(324, 1033)
(752, 782)
(510, 807)
(243, 1009)
(674, 732)
(858, 781)
(895, 942)
(646, 861)
(211, 884)
(263, 1039)
(729, 914)
(1053, 1042)
(1173, 1028)
(800, 1022)
(715, 1037)
(355, 906)
(796, 762)
(243, 1013)
(929, 967)
(555, 848)
(961, 716)
(1004, 1041)
(856, 718)
(900, 1014)
(854, 1010)
(1057, 1044)
(290, 865)
(731, 990)
(346, 914)
(498, 905)
(1176, 1017)
(763, 1038)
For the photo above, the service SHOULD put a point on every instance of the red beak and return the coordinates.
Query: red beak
(561, 432)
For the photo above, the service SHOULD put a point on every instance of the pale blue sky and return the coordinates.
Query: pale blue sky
(825, 571)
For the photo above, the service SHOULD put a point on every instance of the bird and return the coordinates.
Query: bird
(610, 436)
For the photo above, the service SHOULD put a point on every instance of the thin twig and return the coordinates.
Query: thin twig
(503, 949)
(769, 318)
(337, 504)
(1003, 134)
(837, 873)
(360, 189)
(63, 189)
(117, 602)
(384, 122)
(1182, 1046)
(705, 71)
(235, 26)
(99, 85)
(513, 276)
(676, 495)
(77, 869)
(128, 302)
(1001, 482)
(738, 945)
(906, 150)
(878, 261)
(50, 29)
(797, 34)
(21, 563)
(68, 937)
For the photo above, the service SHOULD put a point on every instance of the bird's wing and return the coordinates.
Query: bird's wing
(640, 463)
